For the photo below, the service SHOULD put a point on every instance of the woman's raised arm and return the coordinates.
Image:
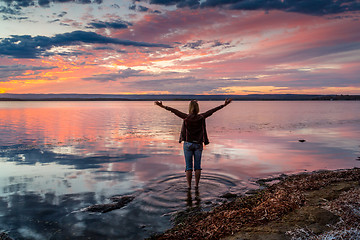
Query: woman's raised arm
(211, 111)
(173, 110)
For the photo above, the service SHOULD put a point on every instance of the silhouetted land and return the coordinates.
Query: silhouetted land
(173, 97)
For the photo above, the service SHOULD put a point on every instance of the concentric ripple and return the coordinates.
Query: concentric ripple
(169, 193)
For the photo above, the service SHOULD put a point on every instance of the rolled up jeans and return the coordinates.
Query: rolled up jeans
(192, 153)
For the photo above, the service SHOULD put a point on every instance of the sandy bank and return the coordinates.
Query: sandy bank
(303, 206)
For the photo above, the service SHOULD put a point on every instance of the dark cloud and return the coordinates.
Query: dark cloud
(141, 8)
(201, 43)
(22, 68)
(315, 7)
(55, 20)
(9, 10)
(313, 52)
(312, 7)
(132, 7)
(64, 24)
(84, 1)
(116, 24)
(109, 49)
(194, 45)
(7, 72)
(63, 13)
(165, 2)
(26, 46)
(115, 6)
(14, 7)
(104, 48)
(116, 76)
(16, 18)
(44, 2)
(178, 3)
(188, 85)
(18, 4)
(217, 43)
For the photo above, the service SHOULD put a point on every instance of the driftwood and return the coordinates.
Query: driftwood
(118, 202)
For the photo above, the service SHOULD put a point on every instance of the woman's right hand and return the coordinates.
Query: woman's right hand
(227, 101)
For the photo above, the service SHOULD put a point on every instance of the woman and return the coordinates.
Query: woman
(193, 133)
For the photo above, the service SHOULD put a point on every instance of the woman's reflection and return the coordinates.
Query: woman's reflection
(189, 199)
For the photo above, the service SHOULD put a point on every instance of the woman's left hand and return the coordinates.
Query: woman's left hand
(159, 103)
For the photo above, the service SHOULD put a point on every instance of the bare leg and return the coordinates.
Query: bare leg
(197, 177)
(189, 202)
(188, 177)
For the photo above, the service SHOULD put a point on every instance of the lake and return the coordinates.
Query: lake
(60, 157)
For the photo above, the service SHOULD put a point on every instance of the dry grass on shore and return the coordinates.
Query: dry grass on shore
(272, 204)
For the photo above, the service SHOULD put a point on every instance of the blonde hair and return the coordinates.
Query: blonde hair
(193, 107)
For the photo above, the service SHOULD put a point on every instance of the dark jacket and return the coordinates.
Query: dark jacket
(194, 127)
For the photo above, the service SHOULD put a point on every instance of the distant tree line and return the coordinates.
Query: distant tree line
(338, 97)
(174, 97)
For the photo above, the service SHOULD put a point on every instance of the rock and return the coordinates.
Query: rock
(265, 182)
(122, 199)
(252, 192)
(229, 195)
(118, 202)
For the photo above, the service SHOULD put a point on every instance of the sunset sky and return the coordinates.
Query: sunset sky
(180, 46)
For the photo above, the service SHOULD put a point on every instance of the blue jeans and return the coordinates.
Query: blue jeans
(192, 151)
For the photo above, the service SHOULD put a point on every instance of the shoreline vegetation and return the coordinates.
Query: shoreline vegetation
(174, 97)
(317, 205)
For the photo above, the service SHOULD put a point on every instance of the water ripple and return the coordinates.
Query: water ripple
(169, 193)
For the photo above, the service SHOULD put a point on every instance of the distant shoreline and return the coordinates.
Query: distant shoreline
(173, 97)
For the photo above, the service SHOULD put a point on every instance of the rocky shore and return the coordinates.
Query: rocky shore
(318, 205)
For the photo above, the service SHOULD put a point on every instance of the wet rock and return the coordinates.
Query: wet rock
(265, 182)
(229, 195)
(185, 215)
(122, 199)
(4, 236)
(118, 202)
(252, 192)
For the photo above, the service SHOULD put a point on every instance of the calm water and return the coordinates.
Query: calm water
(59, 157)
